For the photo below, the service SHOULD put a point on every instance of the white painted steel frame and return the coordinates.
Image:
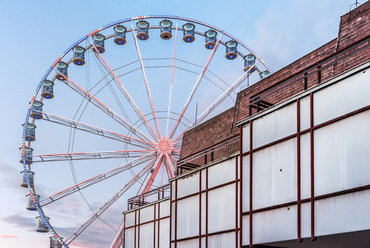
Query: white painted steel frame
(204, 205)
(156, 220)
(300, 201)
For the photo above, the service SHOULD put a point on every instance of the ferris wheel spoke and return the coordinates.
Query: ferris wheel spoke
(109, 203)
(105, 109)
(66, 192)
(117, 240)
(195, 88)
(145, 80)
(125, 93)
(96, 131)
(169, 171)
(219, 100)
(172, 73)
(89, 155)
(171, 165)
(150, 176)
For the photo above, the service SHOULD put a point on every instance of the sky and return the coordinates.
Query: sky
(35, 33)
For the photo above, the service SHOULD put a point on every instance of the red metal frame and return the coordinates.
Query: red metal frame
(299, 201)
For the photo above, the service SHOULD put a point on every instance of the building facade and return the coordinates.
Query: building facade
(288, 166)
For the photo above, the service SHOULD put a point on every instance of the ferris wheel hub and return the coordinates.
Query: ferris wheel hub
(164, 146)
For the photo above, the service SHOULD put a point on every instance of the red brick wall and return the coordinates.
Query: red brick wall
(354, 26)
(350, 49)
(214, 131)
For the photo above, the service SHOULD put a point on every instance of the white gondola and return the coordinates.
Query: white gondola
(30, 204)
(30, 132)
(264, 74)
(231, 49)
(30, 175)
(211, 38)
(47, 89)
(27, 155)
(98, 43)
(36, 110)
(62, 69)
(249, 61)
(166, 28)
(40, 224)
(119, 35)
(55, 242)
(78, 55)
(188, 32)
(142, 30)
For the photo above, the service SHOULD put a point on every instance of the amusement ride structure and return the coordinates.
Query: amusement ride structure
(126, 111)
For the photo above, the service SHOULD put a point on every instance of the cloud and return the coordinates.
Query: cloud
(8, 237)
(19, 221)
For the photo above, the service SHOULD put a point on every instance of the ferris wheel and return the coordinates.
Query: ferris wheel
(111, 112)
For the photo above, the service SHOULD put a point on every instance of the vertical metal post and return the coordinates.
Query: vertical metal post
(299, 170)
(312, 169)
(250, 183)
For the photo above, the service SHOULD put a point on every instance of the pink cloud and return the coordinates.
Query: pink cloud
(8, 237)
(78, 246)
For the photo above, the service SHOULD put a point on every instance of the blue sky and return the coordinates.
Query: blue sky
(35, 33)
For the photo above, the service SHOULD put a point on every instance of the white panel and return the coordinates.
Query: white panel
(188, 217)
(344, 213)
(192, 243)
(305, 166)
(188, 185)
(203, 242)
(341, 98)
(156, 228)
(146, 235)
(305, 113)
(306, 220)
(246, 137)
(173, 189)
(130, 237)
(164, 233)
(245, 182)
(203, 179)
(137, 236)
(221, 173)
(275, 225)
(275, 125)
(173, 217)
(203, 213)
(156, 211)
(164, 209)
(221, 208)
(222, 240)
(130, 219)
(245, 230)
(275, 174)
(342, 154)
(146, 214)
